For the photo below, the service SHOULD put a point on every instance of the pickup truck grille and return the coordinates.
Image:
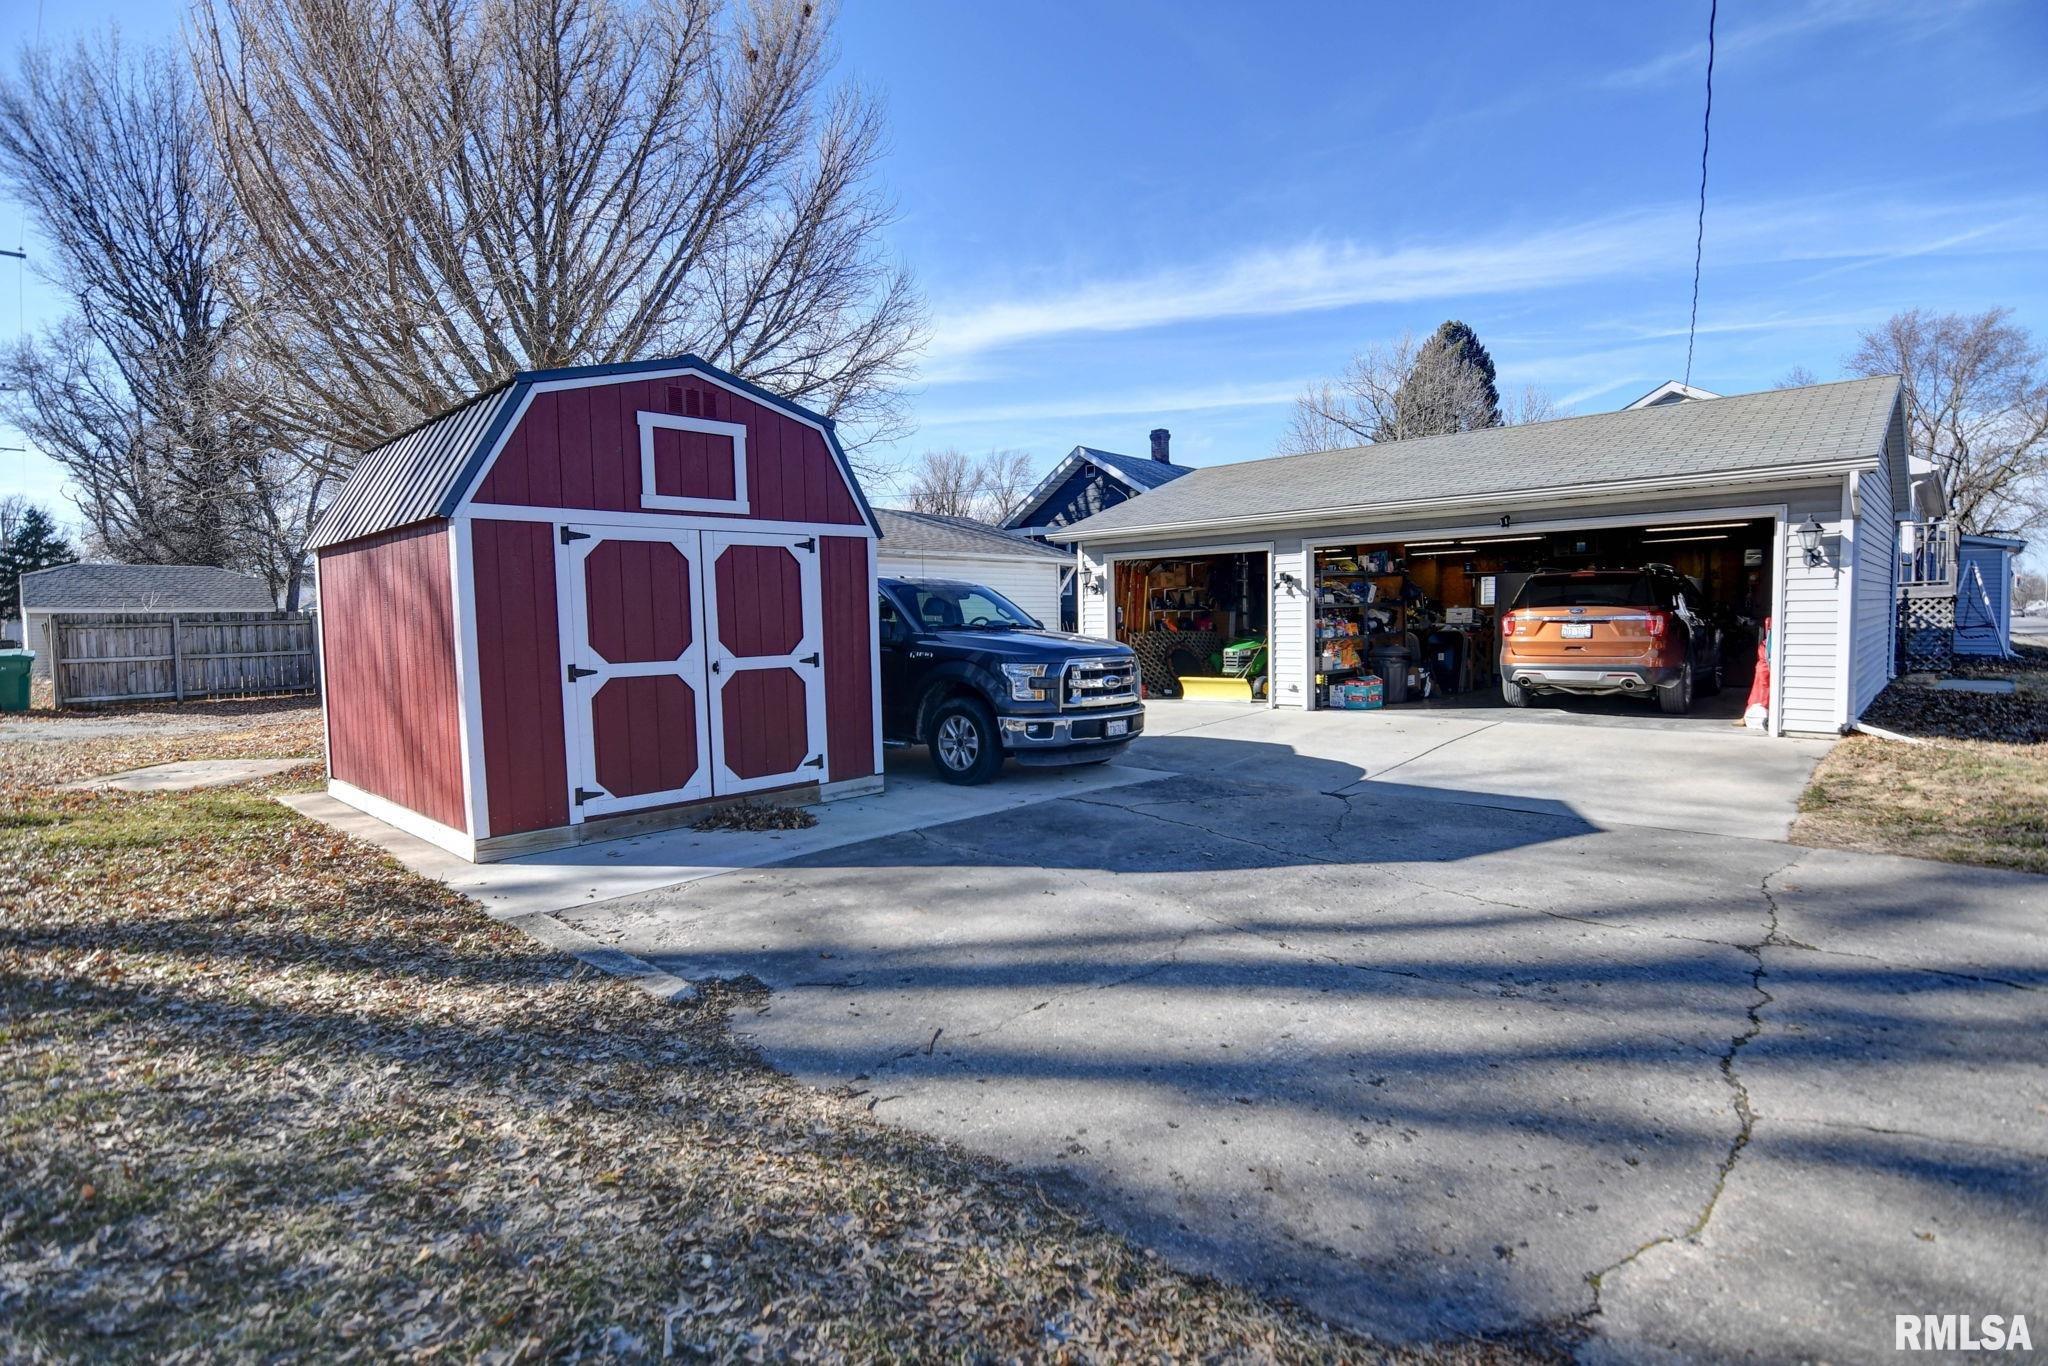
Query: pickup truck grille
(1100, 683)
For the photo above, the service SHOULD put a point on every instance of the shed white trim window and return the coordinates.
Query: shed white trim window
(734, 432)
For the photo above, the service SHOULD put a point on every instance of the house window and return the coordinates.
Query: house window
(692, 464)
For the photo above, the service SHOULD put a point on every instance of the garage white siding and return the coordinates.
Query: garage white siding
(1033, 585)
(1290, 652)
(1810, 619)
(1093, 608)
(1877, 560)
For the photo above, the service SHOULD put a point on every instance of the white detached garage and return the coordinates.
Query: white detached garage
(924, 545)
(1796, 493)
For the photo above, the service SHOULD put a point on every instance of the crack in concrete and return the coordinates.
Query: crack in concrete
(1745, 1112)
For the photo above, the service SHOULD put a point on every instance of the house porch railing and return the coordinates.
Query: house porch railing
(1927, 559)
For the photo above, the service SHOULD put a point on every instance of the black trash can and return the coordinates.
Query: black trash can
(1390, 662)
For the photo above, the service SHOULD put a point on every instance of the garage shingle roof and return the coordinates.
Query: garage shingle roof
(1782, 430)
(143, 588)
(928, 533)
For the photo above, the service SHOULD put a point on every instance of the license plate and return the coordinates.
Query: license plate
(1116, 728)
(1577, 630)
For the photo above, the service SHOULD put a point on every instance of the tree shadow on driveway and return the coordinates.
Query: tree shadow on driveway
(1429, 1067)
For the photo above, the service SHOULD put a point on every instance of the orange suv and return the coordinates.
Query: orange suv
(1593, 631)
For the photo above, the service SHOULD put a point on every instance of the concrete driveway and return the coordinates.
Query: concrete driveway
(1444, 1029)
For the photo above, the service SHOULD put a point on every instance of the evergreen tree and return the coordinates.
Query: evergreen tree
(35, 544)
(1452, 387)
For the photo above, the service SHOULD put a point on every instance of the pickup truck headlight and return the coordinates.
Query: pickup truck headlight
(1026, 682)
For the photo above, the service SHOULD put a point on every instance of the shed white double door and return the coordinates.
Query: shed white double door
(692, 664)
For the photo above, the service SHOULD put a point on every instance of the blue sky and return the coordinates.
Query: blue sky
(1138, 214)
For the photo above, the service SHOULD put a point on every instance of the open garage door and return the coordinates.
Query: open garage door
(1199, 622)
(1421, 617)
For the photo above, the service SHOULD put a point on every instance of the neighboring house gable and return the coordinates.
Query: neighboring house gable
(1669, 392)
(1089, 481)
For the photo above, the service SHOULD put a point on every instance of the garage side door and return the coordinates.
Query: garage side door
(767, 677)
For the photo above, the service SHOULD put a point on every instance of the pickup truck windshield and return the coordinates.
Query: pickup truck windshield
(953, 607)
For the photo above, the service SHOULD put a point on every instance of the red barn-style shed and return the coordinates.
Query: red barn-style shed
(592, 598)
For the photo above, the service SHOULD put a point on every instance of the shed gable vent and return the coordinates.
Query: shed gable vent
(692, 464)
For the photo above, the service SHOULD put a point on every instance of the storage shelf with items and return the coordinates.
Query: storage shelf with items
(1421, 621)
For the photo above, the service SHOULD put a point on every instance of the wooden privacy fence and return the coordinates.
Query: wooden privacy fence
(194, 654)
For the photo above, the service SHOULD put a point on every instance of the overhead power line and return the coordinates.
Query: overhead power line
(1699, 241)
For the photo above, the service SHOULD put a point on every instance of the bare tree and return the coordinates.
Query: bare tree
(1006, 480)
(1798, 377)
(951, 483)
(945, 483)
(442, 192)
(1978, 399)
(2028, 586)
(1394, 390)
(139, 394)
(1533, 404)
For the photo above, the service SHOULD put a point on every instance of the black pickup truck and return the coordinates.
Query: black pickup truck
(972, 675)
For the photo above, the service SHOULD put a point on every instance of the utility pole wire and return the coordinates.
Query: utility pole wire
(1699, 241)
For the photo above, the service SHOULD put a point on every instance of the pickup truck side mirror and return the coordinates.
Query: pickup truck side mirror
(895, 633)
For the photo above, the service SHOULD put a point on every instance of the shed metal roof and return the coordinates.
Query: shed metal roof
(1811, 429)
(143, 588)
(421, 473)
(928, 533)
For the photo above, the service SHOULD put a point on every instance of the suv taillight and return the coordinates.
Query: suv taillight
(1507, 624)
(1654, 623)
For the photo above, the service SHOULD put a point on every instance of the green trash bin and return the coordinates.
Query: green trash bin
(14, 666)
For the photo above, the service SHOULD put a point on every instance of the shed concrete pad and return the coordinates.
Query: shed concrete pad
(182, 777)
(578, 876)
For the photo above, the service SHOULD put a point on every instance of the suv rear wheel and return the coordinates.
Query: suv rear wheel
(965, 747)
(1675, 697)
(1513, 693)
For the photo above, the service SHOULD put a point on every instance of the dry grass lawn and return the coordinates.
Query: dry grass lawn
(1976, 790)
(265, 1094)
(1961, 801)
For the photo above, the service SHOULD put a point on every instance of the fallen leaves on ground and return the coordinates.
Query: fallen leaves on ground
(265, 1094)
(138, 736)
(751, 816)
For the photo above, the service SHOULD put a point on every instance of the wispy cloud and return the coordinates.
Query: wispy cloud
(1690, 61)
(1320, 275)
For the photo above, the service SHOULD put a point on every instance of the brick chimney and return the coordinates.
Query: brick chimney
(1160, 436)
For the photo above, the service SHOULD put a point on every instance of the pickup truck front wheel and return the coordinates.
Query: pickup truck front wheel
(965, 747)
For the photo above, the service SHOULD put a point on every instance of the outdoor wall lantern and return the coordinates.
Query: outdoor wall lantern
(1809, 533)
(1096, 584)
(1289, 581)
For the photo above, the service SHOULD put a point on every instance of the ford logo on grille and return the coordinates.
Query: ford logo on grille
(1112, 681)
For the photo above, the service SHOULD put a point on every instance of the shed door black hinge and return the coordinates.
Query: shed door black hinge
(816, 761)
(571, 534)
(576, 673)
(809, 543)
(811, 659)
(584, 794)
